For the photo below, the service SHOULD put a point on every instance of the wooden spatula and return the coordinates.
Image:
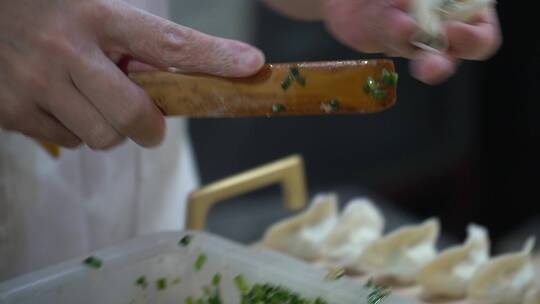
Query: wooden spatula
(312, 88)
(308, 88)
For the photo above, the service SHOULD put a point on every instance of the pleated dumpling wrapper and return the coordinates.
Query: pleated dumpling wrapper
(302, 235)
(504, 279)
(359, 225)
(450, 273)
(463, 10)
(430, 35)
(533, 296)
(400, 255)
(430, 16)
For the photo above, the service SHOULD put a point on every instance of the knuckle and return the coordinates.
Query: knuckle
(177, 44)
(34, 82)
(137, 112)
(55, 43)
(175, 39)
(96, 12)
(102, 137)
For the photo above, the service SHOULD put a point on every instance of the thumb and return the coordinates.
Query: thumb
(164, 44)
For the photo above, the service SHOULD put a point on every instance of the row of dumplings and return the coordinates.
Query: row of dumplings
(354, 240)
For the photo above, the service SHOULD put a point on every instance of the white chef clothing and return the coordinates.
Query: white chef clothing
(55, 209)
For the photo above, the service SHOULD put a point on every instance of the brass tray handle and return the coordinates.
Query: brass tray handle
(288, 172)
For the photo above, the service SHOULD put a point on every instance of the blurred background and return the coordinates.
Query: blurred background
(465, 151)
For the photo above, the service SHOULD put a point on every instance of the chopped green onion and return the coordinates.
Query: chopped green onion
(278, 108)
(389, 78)
(377, 293)
(367, 90)
(141, 281)
(241, 284)
(199, 263)
(295, 72)
(371, 84)
(286, 84)
(199, 301)
(176, 281)
(211, 294)
(301, 80)
(185, 241)
(161, 284)
(93, 262)
(320, 301)
(378, 89)
(335, 274)
(379, 94)
(216, 279)
(295, 76)
(272, 294)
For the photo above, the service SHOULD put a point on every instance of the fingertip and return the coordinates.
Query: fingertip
(400, 27)
(244, 59)
(432, 69)
(72, 143)
(157, 136)
(473, 41)
(251, 63)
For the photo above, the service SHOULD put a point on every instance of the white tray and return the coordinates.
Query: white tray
(160, 256)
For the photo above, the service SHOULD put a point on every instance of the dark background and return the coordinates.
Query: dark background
(465, 151)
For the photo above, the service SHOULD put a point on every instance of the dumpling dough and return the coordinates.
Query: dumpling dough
(449, 274)
(429, 20)
(302, 235)
(463, 10)
(400, 255)
(360, 224)
(430, 15)
(505, 279)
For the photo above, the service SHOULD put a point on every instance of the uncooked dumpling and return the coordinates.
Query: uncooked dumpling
(360, 224)
(463, 10)
(505, 279)
(301, 236)
(430, 15)
(401, 254)
(449, 274)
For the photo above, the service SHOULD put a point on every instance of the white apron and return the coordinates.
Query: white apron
(55, 209)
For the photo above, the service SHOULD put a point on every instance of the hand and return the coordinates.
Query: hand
(63, 64)
(385, 26)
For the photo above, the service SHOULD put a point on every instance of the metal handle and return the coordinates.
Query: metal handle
(289, 172)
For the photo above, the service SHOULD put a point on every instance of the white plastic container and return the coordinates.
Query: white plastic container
(160, 256)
